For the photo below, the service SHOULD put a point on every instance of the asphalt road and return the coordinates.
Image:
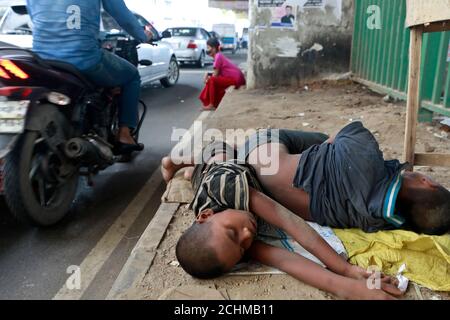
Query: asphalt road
(107, 220)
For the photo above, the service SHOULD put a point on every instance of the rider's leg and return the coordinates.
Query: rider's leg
(113, 71)
(128, 114)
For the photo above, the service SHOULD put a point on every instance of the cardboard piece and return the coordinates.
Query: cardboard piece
(420, 12)
(179, 190)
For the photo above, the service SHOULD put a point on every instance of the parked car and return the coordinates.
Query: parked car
(2, 11)
(189, 45)
(229, 37)
(16, 29)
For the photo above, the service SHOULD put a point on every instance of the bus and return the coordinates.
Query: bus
(229, 36)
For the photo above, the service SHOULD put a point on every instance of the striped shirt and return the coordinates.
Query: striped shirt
(223, 186)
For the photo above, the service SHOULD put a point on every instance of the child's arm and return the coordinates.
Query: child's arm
(313, 274)
(277, 215)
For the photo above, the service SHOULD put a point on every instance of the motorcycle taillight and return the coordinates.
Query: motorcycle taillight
(13, 69)
(4, 74)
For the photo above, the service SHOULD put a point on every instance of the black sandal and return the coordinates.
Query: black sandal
(125, 148)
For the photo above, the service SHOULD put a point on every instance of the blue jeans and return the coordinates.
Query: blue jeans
(113, 71)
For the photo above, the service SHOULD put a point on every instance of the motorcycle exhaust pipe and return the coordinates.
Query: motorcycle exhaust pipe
(77, 148)
(88, 151)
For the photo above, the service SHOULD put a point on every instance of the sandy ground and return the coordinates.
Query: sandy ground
(324, 107)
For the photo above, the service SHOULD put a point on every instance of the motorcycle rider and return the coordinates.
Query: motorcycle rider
(68, 31)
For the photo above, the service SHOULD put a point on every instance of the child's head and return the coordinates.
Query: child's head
(215, 243)
(425, 204)
(213, 46)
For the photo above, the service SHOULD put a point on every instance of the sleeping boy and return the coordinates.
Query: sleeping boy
(346, 183)
(228, 201)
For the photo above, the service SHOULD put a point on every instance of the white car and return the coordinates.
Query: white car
(190, 45)
(16, 29)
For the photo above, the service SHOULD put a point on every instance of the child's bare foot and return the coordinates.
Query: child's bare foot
(168, 169)
(188, 173)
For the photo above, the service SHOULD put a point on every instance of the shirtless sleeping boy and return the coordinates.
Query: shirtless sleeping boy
(228, 197)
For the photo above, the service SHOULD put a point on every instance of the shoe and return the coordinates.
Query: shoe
(124, 148)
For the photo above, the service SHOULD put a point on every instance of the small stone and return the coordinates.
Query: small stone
(429, 148)
(387, 99)
(301, 115)
(174, 264)
(306, 124)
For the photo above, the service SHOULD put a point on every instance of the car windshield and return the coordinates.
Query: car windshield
(183, 32)
(16, 21)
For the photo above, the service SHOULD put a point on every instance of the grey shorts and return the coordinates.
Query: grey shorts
(295, 141)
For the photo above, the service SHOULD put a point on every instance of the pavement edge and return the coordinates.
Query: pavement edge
(143, 254)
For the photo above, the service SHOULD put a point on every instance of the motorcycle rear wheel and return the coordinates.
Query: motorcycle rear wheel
(33, 188)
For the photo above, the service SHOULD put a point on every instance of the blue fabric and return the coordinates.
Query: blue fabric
(349, 181)
(113, 71)
(57, 37)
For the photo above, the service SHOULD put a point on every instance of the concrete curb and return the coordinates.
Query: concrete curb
(143, 254)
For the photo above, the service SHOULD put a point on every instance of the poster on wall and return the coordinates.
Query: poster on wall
(314, 4)
(283, 14)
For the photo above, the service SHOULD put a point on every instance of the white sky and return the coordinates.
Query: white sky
(181, 13)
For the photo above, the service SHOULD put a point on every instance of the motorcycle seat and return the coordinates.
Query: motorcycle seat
(67, 67)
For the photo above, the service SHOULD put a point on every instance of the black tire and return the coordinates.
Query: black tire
(174, 74)
(201, 61)
(20, 196)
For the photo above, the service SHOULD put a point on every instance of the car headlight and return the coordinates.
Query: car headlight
(12, 116)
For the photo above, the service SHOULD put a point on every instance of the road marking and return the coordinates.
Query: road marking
(195, 71)
(95, 260)
(143, 254)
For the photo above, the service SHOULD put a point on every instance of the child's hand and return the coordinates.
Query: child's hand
(359, 273)
(359, 290)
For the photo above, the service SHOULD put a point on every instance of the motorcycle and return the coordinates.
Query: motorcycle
(55, 126)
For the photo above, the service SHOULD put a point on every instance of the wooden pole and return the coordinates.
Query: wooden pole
(412, 113)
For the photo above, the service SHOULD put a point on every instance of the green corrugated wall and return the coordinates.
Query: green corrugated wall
(380, 56)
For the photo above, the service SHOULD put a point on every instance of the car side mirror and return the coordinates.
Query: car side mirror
(166, 34)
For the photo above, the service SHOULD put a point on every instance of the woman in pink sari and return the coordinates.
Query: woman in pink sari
(225, 75)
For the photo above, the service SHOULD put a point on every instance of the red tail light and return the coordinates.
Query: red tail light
(3, 74)
(192, 45)
(14, 69)
(17, 92)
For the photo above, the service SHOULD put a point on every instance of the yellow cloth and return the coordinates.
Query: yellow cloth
(427, 258)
